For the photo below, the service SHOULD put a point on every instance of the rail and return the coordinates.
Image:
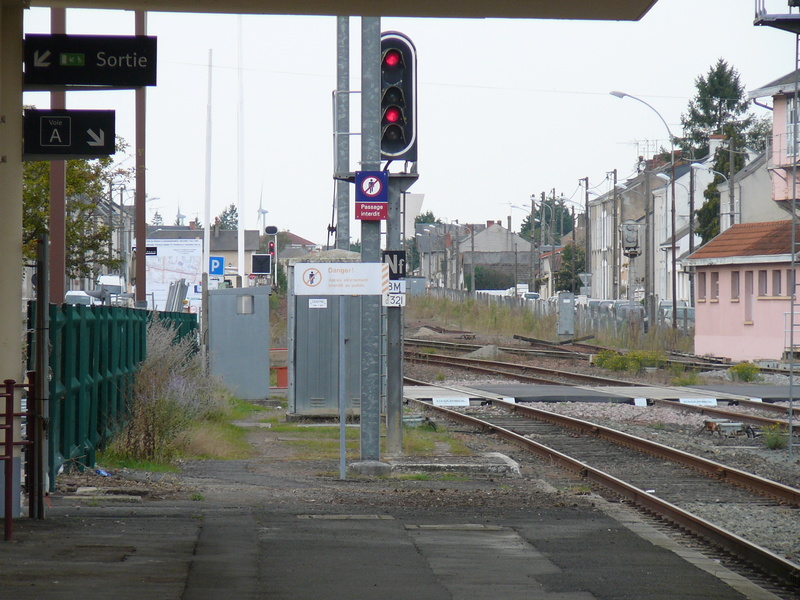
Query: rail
(754, 554)
(8, 427)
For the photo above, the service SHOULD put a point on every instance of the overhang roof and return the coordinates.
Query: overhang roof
(746, 241)
(610, 10)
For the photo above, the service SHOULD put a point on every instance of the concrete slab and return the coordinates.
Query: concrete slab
(493, 463)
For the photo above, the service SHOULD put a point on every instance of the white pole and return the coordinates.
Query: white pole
(207, 214)
(240, 161)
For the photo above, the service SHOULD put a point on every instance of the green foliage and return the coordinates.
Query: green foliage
(717, 108)
(487, 278)
(572, 263)
(776, 437)
(170, 394)
(683, 377)
(633, 361)
(745, 371)
(228, 218)
(88, 235)
(613, 361)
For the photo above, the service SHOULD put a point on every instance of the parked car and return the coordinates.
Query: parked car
(531, 295)
(78, 297)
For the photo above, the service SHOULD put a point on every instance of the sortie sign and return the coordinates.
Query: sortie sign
(64, 59)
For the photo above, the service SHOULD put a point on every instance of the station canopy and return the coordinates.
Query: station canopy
(611, 10)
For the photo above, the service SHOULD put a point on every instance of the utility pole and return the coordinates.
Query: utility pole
(587, 259)
(615, 255)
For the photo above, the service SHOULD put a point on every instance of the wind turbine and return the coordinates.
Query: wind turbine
(179, 217)
(262, 213)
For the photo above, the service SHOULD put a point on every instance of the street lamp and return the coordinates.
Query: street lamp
(458, 253)
(621, 95)
(731, 207)
(532, 278)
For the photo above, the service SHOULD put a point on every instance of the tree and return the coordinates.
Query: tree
(88, 236)
(229, 218)
(572, 263)
(720, 107)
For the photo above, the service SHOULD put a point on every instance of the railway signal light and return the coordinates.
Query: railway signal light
(630, 239)
(398, 97)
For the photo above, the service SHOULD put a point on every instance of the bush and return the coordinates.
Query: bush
(745, 371)
(169, 393)
(613, 361)
(776, 437)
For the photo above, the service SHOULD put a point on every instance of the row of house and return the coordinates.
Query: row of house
(741, 283)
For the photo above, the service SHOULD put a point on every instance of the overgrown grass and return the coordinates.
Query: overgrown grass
(501, 321)
(172, 402)
(745, 371)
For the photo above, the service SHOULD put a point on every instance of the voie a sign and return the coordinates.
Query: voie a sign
(101, 60)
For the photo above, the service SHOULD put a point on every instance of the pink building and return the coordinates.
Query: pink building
(743, 292)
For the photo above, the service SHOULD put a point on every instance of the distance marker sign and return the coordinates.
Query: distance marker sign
(61, 59)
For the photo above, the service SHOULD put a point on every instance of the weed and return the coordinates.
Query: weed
(197, 497)
(776, 437)
(439, 376)
(745, 371)
(170, 392)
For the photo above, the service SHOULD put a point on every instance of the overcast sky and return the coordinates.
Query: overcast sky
(507, 108)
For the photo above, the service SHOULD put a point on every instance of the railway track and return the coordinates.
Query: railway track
(519, 372)
(537, 375)
(659, 480)
(580, 351)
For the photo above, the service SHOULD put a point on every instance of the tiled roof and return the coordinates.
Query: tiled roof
(750, 239)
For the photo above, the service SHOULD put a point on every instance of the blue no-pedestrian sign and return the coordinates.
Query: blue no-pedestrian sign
(216, 265)
(372, 186)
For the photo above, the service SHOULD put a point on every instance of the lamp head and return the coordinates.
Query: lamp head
(700, 166)
(621, 186)
(618, 94)
(663, 177)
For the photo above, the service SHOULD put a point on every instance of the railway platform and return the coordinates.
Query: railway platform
(277, 527)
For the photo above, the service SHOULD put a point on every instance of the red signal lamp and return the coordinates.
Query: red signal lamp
(393, 58)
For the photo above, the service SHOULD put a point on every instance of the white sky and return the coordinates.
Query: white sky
(507, 108)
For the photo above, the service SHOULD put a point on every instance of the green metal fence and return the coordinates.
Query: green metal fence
(95, 351)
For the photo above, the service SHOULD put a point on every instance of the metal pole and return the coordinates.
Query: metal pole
(472, 261)
(615, 270)
(141, 180)
(674, 245)
(58, 179)
(370, 240)
(342, 134)
(532, 283)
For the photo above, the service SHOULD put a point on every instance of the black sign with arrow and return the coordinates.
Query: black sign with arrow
(65, 134)
(118, 61)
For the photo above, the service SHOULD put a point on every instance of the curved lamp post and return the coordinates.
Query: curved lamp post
(621, 95)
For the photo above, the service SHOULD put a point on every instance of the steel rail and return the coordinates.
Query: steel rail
(715, 470)
(754, 554)
(466, 347)
(726, 414)
(522, 372)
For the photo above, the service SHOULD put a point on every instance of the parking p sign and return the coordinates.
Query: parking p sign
(216, 265)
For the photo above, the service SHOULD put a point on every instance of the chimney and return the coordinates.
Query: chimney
(509, 222)
(715, 141)
(489, 224)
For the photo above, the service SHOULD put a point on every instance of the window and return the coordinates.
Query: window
(762, 283)
(734, 285)
(789, 283)
(701, 286)
(776, 283)
(713, 291)
(748, 296)
(791, 122)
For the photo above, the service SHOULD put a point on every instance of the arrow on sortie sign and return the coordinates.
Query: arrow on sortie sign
(41, 61)
(97, 140)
